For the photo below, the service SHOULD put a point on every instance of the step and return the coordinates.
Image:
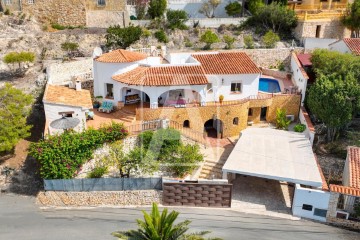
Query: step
(215, 168)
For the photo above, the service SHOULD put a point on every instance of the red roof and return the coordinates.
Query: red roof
(164, 76)
(345, 190)
(325, 186)
(305, 59)
(227, 63)
(120, 56)
(354, 166)
(353, 44)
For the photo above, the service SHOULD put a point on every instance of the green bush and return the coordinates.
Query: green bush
(176, 19)
(270, 39)
(97, 172)
(281, 121)
(122, 37)
(58, 26)
(209, 37)
(188, 43)
(7, 12)
(249, 41)
(161, 36)
(60, 156)
(229, 41)
(299, 127)
(233, 9)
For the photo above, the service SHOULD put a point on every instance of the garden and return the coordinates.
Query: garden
(108, 152)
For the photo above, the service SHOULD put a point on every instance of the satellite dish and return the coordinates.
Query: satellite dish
(97, 52)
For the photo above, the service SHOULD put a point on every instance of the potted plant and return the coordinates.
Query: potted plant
(97, 101)
(221, 98)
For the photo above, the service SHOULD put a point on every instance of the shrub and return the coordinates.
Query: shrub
(58, 26)
(233, 9)
(281, 121)
(157, 8)
(176, 19)
(60, 156)
(19, 58)
(229, 41)
(119, 37)
(161, 36)
(146, 33)
(188, 43)
(299, 127)
(209, 37)
(97, 172)
(255, 5)
(249, 41)
(270, 39)
(7, 12)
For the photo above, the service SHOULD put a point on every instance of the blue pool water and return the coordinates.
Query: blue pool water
(269, 85)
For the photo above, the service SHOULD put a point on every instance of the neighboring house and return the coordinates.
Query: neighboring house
(347, 45)
(344, 197)
(320, 18)
(65, 101)
(186, 88)
(90, 13)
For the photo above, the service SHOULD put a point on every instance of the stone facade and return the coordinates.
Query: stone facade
(120, 198)
(226, 113)
(78, 12)
(331, 214)
(13, 6)
(329, 28)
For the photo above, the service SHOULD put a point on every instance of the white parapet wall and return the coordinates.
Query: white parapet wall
(299, 76)
(310, 203)
(305, 119)
(203, 22)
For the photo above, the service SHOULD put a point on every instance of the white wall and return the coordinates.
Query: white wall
(313, 43)
(52, 113)
(203, 22)
(340, 46)
(299, 78)
(308, 133)
(60, 73)
(317, 198)
(250, 86)
(192, 7)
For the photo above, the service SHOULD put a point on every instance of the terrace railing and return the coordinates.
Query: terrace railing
(189, 133)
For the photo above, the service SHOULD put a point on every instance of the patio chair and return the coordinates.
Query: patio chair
(103, 107)
(109, 107)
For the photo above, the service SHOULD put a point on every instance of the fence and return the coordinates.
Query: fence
(102, 184)
(144, 126)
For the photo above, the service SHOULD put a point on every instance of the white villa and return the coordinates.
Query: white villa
(177, 79)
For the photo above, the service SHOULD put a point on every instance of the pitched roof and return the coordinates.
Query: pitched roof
(67, 96)
(227, 63)
(163, 76)
(120, 56)
(305, 59)
(354, 166)
(353, 44)
(345, 190)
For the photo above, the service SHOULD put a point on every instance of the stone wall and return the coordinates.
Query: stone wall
(111, 5)
(271, 57)
(121, 198)
(105, 19)
(14, 6)
(64, 12)
(329, 29)
(275, 73)
(226, 113)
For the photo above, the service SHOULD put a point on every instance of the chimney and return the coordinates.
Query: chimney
(78, 85)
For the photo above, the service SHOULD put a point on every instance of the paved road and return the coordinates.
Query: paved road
(21, 219)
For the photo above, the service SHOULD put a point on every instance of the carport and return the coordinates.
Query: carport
(274, 154)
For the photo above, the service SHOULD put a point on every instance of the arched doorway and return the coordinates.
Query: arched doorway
(134, 96)
(186, 124)
(214, 128)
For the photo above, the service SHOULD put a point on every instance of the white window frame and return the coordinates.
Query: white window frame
(8, 2)
(31, 1)
(240, 88)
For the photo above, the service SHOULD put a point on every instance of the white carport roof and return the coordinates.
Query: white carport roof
(274, 154)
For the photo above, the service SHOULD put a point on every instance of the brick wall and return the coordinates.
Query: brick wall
(199, 195)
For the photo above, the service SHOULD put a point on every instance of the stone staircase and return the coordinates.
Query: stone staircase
(125, 116)
(212, 168)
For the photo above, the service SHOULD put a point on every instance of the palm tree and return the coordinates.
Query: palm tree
(158, 226)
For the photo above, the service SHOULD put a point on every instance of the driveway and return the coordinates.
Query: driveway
(21, 219)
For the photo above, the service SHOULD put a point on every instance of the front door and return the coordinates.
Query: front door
(263, 114)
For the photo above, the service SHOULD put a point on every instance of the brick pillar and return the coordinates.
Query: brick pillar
(333, 202)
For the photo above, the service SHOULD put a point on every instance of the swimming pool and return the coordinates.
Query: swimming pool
(269, 85)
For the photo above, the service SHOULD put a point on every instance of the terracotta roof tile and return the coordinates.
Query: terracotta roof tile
(227, 63)
(345, 190)
(67, 96)
(120, 56)
(353, 44)
(300, 66)
(163, 76)
(325, 186)
(354, 166)
(305, 59)
(308, 120)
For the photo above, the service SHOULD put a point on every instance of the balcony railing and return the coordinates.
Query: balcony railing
(321, 15)
(320, 6)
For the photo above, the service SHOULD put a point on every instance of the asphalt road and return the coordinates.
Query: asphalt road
(22, 219)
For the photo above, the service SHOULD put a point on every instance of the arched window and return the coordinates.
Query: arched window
(236, 121)
(186, 124)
